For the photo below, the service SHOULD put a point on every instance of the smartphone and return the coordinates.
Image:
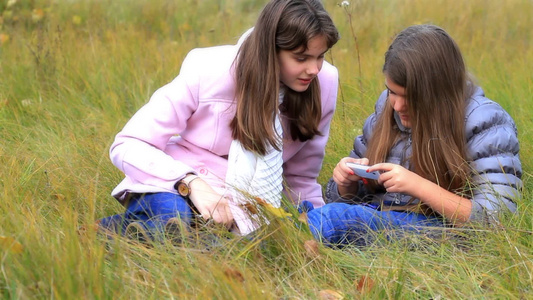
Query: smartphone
(360, 170)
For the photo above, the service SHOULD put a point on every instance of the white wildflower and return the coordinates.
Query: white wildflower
(11, 3)
(345, 3)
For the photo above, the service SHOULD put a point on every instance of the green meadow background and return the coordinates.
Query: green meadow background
(73, 72)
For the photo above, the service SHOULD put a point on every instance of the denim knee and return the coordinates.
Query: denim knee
(114, 224)
(158, 208)
(341, 223)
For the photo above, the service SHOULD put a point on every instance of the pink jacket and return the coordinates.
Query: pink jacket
(198, 105)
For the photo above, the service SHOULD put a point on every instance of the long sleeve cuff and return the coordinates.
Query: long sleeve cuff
(332, 193)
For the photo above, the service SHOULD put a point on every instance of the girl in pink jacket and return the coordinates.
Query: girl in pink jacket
(239, 124)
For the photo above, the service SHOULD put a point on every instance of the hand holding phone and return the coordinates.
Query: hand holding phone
(361, 171)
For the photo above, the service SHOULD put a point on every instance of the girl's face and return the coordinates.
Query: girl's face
(397, 99)
(300, 66)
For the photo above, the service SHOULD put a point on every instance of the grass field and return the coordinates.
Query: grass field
(74, 71)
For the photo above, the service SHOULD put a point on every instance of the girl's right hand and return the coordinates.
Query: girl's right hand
(210, 204)
(345, 177)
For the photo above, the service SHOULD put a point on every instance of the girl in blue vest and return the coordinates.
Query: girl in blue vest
(443, 153)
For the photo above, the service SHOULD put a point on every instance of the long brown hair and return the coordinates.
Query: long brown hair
(427, 62)
(282, 25)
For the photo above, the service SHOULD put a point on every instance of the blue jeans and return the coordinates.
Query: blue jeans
(341, 224)
(152, 210)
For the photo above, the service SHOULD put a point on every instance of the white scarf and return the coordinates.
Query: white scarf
(250, 175)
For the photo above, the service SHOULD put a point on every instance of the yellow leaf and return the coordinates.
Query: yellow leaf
(76, 20)
(278, 212)
(9, 243)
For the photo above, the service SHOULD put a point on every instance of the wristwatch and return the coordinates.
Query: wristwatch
(183, 186)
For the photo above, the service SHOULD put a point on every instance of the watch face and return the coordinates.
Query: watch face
(183, 189)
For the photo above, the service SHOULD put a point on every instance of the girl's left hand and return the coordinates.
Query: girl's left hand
(397, 179)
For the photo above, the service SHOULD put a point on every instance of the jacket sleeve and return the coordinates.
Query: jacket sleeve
(302, 170)
(358, 151)
(138, 150)
(493, 147)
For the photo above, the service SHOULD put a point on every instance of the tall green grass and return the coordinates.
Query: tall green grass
(74, 71)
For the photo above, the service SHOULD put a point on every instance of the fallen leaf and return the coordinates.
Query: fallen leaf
(260, 201)
(276, 211)
(311, 248)
(4, 38)
(330, 295)
(86, 228)
(9, 243)
(252, 208)
(233, 273)
(303, 217)
(37, 14)
(365, 284)
(59, 196)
